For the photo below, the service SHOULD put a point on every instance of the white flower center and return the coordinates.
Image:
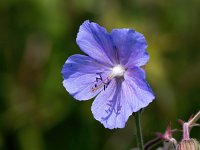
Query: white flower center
(118, 71)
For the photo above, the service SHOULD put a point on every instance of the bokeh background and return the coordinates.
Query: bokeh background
(37, 36)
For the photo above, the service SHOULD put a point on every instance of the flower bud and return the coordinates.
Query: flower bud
(191, 144)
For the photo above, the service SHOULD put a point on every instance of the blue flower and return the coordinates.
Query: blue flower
(111, 71)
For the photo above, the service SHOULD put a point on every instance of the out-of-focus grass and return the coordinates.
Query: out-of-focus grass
(36, 37)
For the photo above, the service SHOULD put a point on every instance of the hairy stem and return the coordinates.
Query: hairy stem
(186, 132)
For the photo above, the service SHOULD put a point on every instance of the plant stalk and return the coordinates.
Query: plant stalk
(139, 131)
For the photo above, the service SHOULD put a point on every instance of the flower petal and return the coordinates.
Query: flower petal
(106, 106)
(138, 91)
(95, 41)
(131, 47)
(113, 106)
(79, 73)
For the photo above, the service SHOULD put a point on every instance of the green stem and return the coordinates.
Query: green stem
(139, 131)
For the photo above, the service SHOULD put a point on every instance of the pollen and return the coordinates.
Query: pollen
(118, 71)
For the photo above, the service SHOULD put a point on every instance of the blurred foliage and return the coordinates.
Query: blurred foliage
(37, 36)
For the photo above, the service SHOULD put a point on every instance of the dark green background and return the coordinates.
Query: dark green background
(37, 36)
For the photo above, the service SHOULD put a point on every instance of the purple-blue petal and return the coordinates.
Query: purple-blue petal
(137, 88)
(81, 64)
(79, 73)
(131, 47)
(106, 107)
(95, 41)
(114, 106)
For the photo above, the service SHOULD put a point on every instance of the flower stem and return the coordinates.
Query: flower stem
(152, 143)
(139, 131)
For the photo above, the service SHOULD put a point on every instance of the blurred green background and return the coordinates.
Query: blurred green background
(37, 36)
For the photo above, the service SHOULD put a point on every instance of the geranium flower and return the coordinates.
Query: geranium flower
(111, 71)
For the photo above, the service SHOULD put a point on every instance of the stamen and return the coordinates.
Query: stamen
(100, 77)
(104, 84)
(117, 71)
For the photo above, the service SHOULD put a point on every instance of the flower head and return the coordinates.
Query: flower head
(191, 144)
(111, 72)
(167, 136)
(168, 141)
